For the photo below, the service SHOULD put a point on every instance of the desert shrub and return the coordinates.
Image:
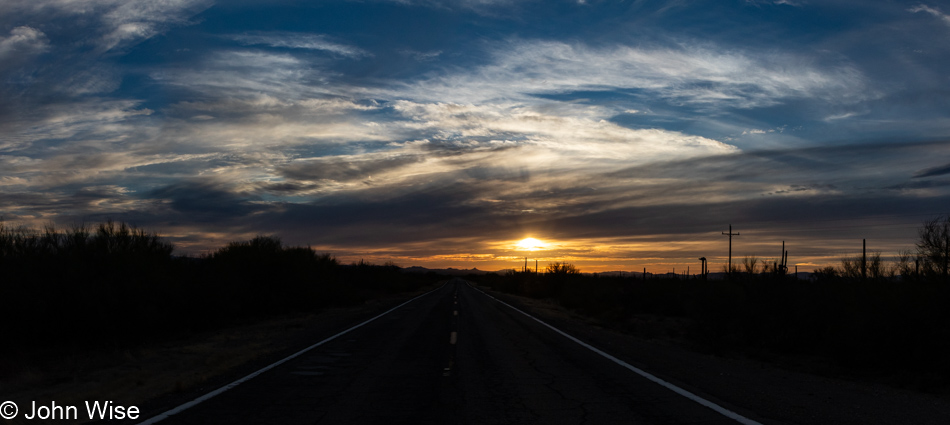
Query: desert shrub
(116, 285)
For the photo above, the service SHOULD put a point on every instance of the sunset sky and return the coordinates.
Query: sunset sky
(620, 134)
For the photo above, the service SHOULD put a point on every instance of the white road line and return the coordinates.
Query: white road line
(719, 409)
(207, 396)
(453, 338)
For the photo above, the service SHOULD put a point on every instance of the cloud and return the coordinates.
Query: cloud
(207, 199)
(795, 3)
(300, 41)
(487, 7)
(102, 119)
(939, 170)
(61, 53)
(421, 56)
(240, 74)
(340, 169)
(22, 41)
(842, 116)
(931, 10)
(117, 23)
(691, 75)
(574, 135)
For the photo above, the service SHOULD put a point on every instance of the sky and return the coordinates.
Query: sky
(621, 134)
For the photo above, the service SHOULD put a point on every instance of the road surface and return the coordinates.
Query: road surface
(453, 356)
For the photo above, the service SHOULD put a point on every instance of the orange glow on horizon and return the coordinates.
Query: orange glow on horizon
(657, 254)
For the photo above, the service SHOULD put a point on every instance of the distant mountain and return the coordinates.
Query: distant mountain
(449, 271)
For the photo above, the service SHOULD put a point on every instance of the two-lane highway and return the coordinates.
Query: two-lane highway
(455, 355)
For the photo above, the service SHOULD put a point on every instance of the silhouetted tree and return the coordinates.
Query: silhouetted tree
(906, 261)
(876, 267)
(559, 268)
(735, 269)
(750, 263)
(850, 267)
(825, 273)
(933, 247)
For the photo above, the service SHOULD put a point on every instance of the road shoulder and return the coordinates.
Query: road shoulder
(159, 376)
(760, 388)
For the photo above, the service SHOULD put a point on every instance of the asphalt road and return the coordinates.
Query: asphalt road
(452, 356)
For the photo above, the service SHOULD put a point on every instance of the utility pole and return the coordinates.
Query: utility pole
(703, 267)
(730, 248)
(535, 266)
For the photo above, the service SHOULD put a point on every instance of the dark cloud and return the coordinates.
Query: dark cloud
(426, 215)
(921, 184)
(881, 161)
(286, 188)
(933, 171)
(805, 188)
(342, 170)
(206, 200)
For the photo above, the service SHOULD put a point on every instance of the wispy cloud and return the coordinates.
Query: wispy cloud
(421, 56)
(931, 10)
(796, 3)
(695, 75)
(300, 41)
(117, 23)
(490, 7)
(22, 42)
(841, 116)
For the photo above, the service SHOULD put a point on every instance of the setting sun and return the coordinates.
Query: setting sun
(531, 244)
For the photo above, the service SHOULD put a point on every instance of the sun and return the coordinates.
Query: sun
(530, 244)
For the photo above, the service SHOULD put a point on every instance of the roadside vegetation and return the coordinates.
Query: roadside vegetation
(865, 319)
(115, 286)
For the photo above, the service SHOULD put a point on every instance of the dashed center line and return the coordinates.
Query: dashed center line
(453, 335)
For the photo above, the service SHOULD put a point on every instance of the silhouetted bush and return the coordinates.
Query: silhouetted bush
(933, 248)
(115, 285)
